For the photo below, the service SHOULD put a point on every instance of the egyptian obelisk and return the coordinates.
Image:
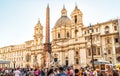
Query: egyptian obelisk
(47, 44)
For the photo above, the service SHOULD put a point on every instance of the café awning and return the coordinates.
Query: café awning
(4, 62)
(101, 62)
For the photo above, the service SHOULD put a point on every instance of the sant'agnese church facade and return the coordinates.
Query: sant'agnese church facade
(70, 45)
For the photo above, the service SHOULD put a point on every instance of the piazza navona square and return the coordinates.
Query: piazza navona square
(69, 43)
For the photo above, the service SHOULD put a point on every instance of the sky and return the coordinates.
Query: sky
(19, 17)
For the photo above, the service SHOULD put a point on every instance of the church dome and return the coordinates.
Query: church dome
(63, 20)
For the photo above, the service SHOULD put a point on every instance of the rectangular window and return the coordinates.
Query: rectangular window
(92, 30)
(116, 40)
(77, 61)
(96, 29)
(117, 50)
(98, 51)
(76, 52)
(84, 32)
(58, 35)
(88, 31)
(115, 28)
(89, 52)
(94, 50)
(108, 41)
(109, 51)
(94, 53)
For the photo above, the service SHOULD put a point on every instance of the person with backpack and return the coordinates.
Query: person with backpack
(27, 72)
(42, 72)
(76, 72)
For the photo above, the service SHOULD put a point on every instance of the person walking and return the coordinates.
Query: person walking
(32, 72)
(17, 72)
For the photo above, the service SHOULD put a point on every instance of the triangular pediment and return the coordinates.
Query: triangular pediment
(56, 45)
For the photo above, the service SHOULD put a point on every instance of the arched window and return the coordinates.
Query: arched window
(109, 51)
(58, 35)
(115, 28)
(77, 61)
(75, 19)
(68, 34)
(76, 33)
(106, 29)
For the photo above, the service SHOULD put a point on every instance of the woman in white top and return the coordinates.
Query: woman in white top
(17, 72)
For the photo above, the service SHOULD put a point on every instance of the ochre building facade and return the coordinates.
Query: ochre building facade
(71, 43)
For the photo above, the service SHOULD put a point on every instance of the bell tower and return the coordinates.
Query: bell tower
(38, 33)
(76, 16)
(76, 21)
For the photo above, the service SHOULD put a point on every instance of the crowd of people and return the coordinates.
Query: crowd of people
(58, 71)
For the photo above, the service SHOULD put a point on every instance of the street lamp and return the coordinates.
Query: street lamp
(111, 60)
(105, 55)
(55, 60)
(91, 30)
(14, 62)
